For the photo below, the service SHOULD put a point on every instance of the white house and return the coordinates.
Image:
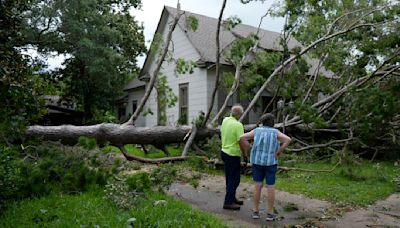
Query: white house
(194, 90)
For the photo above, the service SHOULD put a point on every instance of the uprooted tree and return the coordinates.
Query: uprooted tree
(357, 106)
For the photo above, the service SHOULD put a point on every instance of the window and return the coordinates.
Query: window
(183, 104)
(134, 106)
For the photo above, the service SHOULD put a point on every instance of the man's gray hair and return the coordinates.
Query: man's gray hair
(237, 110)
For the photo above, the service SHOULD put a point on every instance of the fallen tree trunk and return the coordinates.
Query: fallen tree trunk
(120, 134)
(117, 134)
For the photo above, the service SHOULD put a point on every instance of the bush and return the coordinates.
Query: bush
(197, 163)
(139, 182)
(163, 176)
(37, 170)
(11, 179)
(212, 146)
(119, 193)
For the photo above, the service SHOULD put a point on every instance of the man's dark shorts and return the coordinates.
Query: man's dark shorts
(260, 172)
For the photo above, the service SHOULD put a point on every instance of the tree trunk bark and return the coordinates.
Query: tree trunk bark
(117, 134)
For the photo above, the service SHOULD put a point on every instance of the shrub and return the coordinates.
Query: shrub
(39, 169)
(11, 179)
(213, 146)
(119, 192)
(139, 182)
(197, 163)
(163, 176)
(87, 142)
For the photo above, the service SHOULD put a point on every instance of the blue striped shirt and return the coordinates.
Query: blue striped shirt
(265, 146)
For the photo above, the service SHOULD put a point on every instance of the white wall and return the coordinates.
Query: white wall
(135, 94)
(182, 48)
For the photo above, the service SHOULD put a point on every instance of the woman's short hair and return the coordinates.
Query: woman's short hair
(268, 120)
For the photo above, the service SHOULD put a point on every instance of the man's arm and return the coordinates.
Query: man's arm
(244, 142)
(285, 140)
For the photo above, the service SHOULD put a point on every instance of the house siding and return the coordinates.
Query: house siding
(197, 83)
(136, 95)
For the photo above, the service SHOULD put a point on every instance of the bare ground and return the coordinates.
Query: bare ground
(293, 210)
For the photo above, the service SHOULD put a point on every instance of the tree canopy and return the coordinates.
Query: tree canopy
(101, 41)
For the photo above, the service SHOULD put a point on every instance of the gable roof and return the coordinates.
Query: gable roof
(203, 40)
(134, 83)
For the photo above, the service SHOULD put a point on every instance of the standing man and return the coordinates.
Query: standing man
(264, 159)
(231, 130)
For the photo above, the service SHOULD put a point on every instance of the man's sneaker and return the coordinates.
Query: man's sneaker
(256, 215)
(232, 206)
(271, 217)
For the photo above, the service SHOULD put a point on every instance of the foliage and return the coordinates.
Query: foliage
(256, 73)
(156, 43)
(126, 191)
(163, 176)
(199, 120)
(139, 182)
(20, 84)
(103, 116)
(11, 179)
(228, 78)
(212, 146)
(120, 194)
(309, 114)
(192, 23)
(376, 108)
(165, 98)
(39, 169)
(87, 142)
(396, 179)
(368, 111)
(197, 163)
(240, 48)
(183, 67)
(231, 22)
(101, 46)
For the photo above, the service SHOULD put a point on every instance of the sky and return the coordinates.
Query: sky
(150, 13)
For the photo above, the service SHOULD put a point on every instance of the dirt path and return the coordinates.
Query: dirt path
(292, 209)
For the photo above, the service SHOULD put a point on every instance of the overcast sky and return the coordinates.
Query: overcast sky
(150, 13)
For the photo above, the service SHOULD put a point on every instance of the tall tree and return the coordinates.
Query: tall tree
(20, 85)
(101, 40)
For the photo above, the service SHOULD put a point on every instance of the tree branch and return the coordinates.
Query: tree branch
(217, 66)
(153, 77)
(320, 145)
(131, 157)
(291, 59)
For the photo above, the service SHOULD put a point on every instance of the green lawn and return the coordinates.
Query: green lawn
(368, 182)
(91, 209)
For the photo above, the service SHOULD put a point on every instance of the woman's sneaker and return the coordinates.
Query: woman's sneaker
(271, 217)
(256, 215)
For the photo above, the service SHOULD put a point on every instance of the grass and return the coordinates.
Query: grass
(357, 185)
(91, 209)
